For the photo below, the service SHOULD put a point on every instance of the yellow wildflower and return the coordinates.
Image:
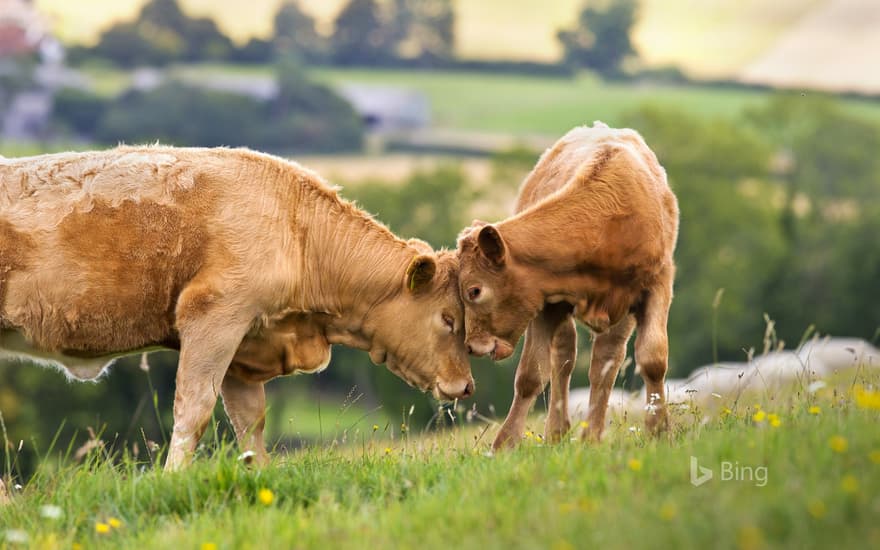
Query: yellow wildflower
(586, 505)
(584, 424)
(266, 496)
(375, 427)
(102, 528)
(76, 546)
(668, 511)
(814, 410)
(726, 412)
(849, 484)
(875, 457)
(867, 399)
(816, 508)
(387, 450)
(209, 546)
(749, 538)
(774, 420)
(838, 444)
(114, 523)
(759, 416)
(635, 464)
(563, 545)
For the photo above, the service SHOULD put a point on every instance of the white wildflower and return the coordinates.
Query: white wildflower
(17, 536)
(51, 511)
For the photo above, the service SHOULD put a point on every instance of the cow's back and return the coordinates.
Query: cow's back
(582, 154)
(95, 247)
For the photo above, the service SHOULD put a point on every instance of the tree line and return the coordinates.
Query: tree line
(408, 33)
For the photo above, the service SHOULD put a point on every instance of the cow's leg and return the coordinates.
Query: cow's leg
(532, 373)
(245, 404)
(609, 351)
(563, 354)
(210, 332)
(652, 355)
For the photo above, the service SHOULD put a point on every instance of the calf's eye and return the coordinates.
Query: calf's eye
(473, 293)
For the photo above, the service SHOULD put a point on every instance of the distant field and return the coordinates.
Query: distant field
(517, 104)
(524, 104)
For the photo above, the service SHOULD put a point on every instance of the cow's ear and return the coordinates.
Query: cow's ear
(491, 244)
(420, 273)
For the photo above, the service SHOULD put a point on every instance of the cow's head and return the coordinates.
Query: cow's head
(498, 301)
(419, 331)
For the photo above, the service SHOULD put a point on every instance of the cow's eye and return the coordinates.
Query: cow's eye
(449, 322)
(474, 293)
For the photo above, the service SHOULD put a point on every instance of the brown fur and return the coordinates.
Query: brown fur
(592, 239)
(234, 257)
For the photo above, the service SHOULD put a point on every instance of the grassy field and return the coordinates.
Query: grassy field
(513, 104)
(800, 470)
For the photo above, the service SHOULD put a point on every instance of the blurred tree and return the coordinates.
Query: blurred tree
(162, 34)
(78, 110)
(361, 37)
(295, 34)
(305, 117)
(601, 40)
(423, 30)
(309, 117)
(828, 168)
(178, 114)
(255, 50)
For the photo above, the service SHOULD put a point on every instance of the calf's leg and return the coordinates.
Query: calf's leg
(609, 351)
(532, 373)
(652, 355)
(563, 354)
(245, 404)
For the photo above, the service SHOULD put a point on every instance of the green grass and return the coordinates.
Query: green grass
(517, 104)
(526, 104)
(445, 490)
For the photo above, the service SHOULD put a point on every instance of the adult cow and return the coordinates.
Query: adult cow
(228, 255)
(592, 238)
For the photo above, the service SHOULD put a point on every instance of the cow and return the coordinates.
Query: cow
(248, 264)
(592, 239)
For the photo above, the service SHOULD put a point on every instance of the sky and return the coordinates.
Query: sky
(707, 37)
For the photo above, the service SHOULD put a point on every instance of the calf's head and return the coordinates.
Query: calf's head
(419, 331)
(498, 301)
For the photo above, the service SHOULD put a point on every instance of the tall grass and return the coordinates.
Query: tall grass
(820, 448)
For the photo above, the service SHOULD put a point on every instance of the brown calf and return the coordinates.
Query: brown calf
(230, 256)
(592, 239)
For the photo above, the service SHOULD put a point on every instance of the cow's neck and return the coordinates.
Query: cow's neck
(353, 264)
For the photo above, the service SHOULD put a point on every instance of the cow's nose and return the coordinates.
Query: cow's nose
(470, 349)
(458, 389)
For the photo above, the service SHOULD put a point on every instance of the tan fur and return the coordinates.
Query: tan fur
(592, 239)
(234, 257)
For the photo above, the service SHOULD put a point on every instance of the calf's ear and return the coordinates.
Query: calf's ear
(420, 272)
(491, 244)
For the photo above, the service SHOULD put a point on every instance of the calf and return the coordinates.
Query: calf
(592, 239)
(231, 256)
